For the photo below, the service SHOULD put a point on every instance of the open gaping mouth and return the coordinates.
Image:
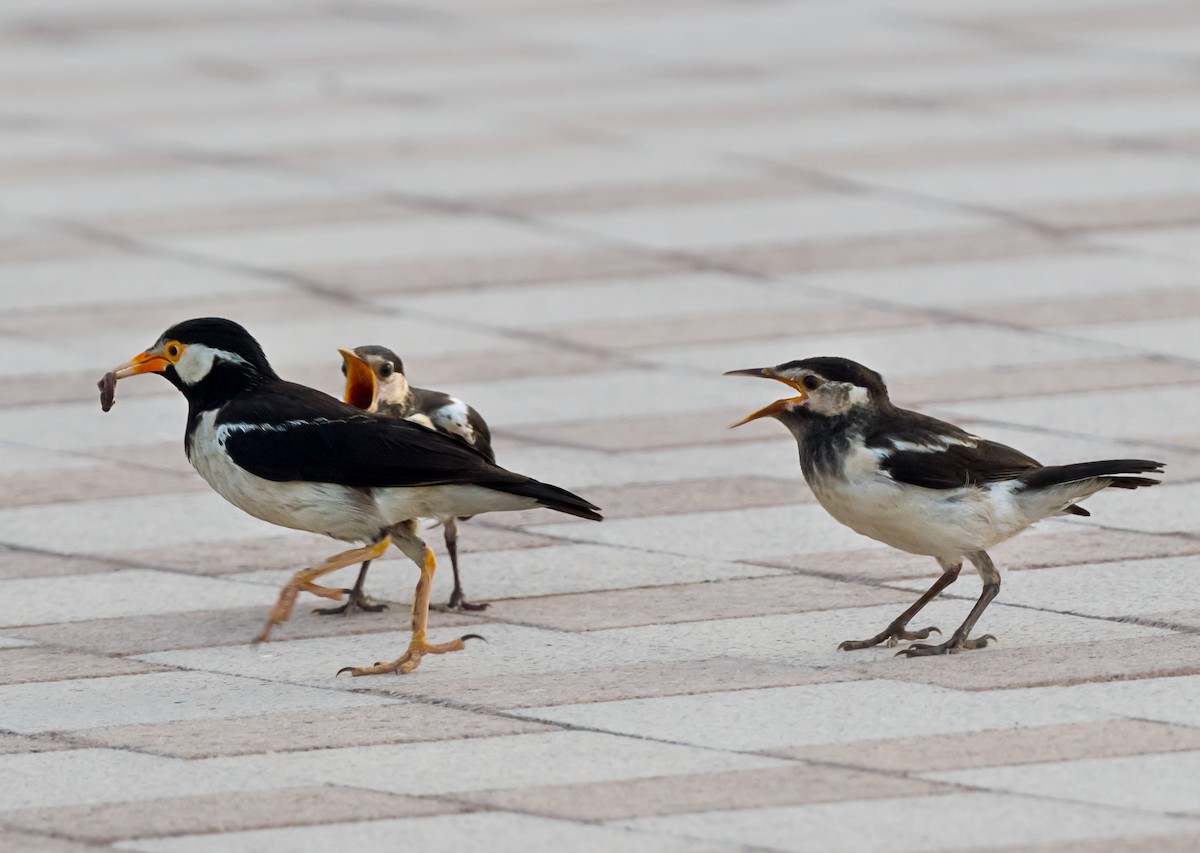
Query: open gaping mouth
(779, 405)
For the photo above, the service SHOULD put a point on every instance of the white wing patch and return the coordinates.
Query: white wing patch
(940, 444)
(452, 418)
(223, 432)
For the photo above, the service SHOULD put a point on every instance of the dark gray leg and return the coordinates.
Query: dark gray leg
(959, 640)
(357, 599)
(897, 631)
(457, 600)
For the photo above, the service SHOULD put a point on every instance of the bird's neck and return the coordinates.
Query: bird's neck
(824, 441)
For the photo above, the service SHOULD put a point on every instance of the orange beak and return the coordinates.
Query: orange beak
(361, 386)
(773, 408)
(143, 362)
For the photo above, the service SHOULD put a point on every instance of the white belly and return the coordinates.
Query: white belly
(937, 522)
(343, 512)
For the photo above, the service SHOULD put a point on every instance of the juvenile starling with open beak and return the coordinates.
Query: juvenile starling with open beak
(376, 382)
(923, 485)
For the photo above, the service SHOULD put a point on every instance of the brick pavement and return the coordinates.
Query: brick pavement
(576, 214)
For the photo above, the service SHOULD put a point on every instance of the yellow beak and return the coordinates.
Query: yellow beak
(361, 386)
(773, 408)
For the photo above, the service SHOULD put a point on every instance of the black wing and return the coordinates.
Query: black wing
(925, 451)
(288, 432)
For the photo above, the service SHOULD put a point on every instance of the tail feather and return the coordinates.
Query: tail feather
(551, 497)
(1109, 469)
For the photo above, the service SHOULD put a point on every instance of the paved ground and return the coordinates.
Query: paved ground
(576, 214)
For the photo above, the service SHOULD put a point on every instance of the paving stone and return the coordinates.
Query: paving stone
(839, 712)
(227, 627)
(479, 764)
(1015, 746)
(1084, 660)
(155, 697)
(27, 842)
(811, 638)
(319, 728)
(728, 535)
(1117, 589)
(13, 743)
(105, 823)
(496, 831)
(519, 649)
(120, 593)
(552, 570)
(1154, 783)
(609, 801)
(938, 822)
(717, 599)
(1042, 547)
(1167, 700)
(86, 776)
(1159, 843)
(20, 665)
(627, 681)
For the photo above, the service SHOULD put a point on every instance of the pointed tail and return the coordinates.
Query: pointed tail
(551, 497)
(1116, 471)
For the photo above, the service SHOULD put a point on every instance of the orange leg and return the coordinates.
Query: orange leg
(417, 647)
(302, 581)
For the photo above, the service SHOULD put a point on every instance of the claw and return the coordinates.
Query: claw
(466, 637)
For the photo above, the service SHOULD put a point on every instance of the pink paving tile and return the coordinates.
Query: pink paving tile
(203, 628)
(34, 663)
(13, 743)
(738, 789)
(998, 667)
(1120, 214)
(935, 152)
(265, 215)
(15, 841)
(361, 726)
(1128, 307)
(635, 681)
(30, 564)
(1187, 843)
(695, 602)
(233, 812)
(960, 751)
(95, 483)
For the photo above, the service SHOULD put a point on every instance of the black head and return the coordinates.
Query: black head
(209, 359)
(830, 387)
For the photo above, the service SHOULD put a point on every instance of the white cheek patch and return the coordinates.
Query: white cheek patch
(858, 395)
(197, 362)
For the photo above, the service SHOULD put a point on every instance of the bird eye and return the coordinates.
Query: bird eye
(386, 370)
(812, 383)
(173, 350)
